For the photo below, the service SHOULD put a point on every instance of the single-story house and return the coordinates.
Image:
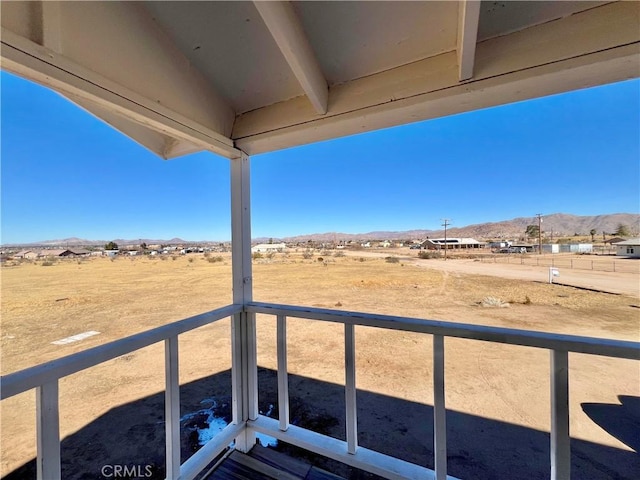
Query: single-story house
(30, 254)
(452, 243)
(61, 252)
(614, 240)
(268, 248)
(81, 252)
(628, 248)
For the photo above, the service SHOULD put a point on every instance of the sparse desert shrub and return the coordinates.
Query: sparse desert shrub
(214, 259)
(256, 255)
(493, 302)
(392, 260)
(270, 255)
(527, 300)
(48, 263)
(320, 259)
(361, 259)
(191, 260)
(339, 253)
(307, 254)
(428, 254)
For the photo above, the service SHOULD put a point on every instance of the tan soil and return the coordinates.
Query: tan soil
(497, 396)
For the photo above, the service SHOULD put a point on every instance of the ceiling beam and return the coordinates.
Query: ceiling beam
(124, 64)
(581, 72)
(41, 65)
(287, 31)
(468, 19)
(51, 31)
(578, 51)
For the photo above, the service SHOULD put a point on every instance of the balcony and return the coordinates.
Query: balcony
(247, 422)
(245, 78)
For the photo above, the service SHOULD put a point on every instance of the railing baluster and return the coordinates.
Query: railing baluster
(172, 408)
(283, 381)
(351, 416)
(439, 410)
(48, 431)
(560, 446)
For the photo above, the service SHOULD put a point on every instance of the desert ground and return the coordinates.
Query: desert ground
(497, 395)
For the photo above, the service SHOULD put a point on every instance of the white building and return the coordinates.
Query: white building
(451, 243)
(268, 248)
(628, 248)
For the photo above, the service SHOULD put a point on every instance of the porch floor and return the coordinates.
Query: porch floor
(265, 463)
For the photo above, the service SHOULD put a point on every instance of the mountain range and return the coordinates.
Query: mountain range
(561, 224)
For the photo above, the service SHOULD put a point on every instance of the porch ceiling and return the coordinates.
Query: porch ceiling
(180, 77)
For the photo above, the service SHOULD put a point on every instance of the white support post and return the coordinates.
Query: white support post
(283, 380)
(48, 431)
(243, 326)
(560, 440)
(439, 410)
(351, 415)
(172, 408)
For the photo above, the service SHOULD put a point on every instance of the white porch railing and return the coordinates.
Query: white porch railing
(348, 452)
(44, 379)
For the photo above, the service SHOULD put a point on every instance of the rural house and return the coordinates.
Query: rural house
(28, 254)
(628, 248)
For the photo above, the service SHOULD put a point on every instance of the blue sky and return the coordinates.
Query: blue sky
(67, 174)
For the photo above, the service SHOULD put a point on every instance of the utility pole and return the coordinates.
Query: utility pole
(445, 224)
(539, 215)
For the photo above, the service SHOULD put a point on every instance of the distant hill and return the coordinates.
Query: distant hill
(74, 242)
(561, 224)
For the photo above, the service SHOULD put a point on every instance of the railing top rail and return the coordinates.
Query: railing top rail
(23, 380)
(551, 341)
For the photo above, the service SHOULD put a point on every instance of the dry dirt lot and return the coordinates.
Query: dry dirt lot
(497, 396)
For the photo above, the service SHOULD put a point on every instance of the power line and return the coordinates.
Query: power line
(445, 224)
(539, 215)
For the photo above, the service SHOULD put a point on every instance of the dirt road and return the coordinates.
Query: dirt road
(603, 281)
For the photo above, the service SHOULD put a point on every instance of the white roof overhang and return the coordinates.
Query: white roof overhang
(181, 77)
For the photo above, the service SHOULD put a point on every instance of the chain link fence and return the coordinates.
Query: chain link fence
(581, 262)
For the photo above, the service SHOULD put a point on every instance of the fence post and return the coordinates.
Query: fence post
(351, 418)
(172, 408)
(560, 440)
(283, 380)
(48, 432)
(439, 410)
